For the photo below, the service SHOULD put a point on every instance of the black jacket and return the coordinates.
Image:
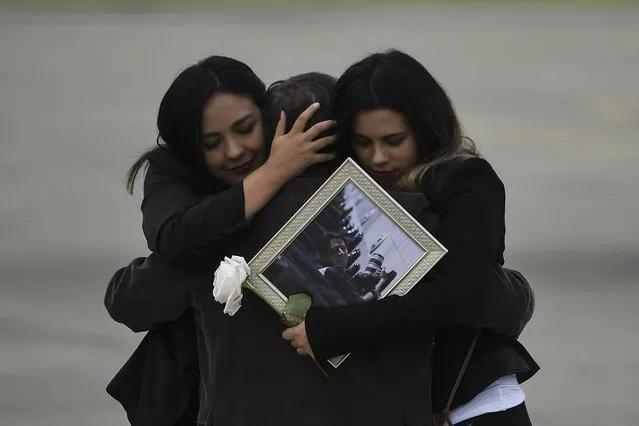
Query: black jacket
(159, 384)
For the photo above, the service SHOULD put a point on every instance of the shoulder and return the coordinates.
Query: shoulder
(460, 167)
(462, 175)
(167, 169)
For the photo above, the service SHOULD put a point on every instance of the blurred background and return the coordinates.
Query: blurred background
(548, 91)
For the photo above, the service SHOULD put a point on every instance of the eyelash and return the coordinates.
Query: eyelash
(209, 145)
(395, 142)
(361, 142)
(246, 130)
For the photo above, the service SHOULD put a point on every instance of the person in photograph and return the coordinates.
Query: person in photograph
(362, 287)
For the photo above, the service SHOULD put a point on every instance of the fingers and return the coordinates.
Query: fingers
(289, 334)
(318, 128)
(301, 347)
(324, 142)
(293, 342)
(323, 158)
(281, 125)
(300, 123)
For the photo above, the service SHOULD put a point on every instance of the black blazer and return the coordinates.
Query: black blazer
(159, 384)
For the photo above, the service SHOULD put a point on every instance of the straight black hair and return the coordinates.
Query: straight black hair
(179, 119)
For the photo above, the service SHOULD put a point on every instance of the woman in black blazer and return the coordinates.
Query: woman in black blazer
(210, 172)
(403, 130)
(205, 178)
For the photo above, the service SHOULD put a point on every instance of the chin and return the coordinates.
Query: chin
(236, 179)
(228, 179)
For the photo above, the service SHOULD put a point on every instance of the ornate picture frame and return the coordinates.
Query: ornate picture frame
(394, 238)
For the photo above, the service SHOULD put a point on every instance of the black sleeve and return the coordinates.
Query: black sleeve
(184, 227)
(147, 292)
(467, 287)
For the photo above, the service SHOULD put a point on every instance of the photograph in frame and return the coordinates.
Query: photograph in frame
(351, 242)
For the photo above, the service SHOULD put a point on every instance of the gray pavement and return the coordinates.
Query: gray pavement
(550, 96)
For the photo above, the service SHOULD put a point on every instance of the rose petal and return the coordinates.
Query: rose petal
(227, 283)
(233, 304)
(241, 261)
(224, 282)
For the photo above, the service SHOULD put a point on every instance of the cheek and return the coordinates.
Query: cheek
(255, 141)
(214, 159)
(363, 154)
(407, 153)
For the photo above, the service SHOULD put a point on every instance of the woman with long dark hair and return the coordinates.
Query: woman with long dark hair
(210, 171)
(401, 126)
(216, 164)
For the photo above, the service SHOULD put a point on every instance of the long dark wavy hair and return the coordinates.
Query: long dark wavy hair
(394, 80)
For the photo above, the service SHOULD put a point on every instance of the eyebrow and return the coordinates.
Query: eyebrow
(243, 119)
(390, 135)
(237, 123)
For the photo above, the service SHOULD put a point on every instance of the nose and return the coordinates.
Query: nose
(234, 150)
(380, 156)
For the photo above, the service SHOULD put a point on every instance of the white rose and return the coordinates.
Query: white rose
(227, 285)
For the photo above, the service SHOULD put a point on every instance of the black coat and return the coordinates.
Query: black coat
(159, 384)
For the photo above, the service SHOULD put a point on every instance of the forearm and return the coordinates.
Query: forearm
(144, 294)
(189, 229)
(198, 233)
(259, 188)
(183, 218)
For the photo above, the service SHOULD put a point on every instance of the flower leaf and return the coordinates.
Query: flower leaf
(296, 307)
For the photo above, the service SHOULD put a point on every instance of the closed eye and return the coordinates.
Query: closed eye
(245, 129)
(360, 140)
(395, 139)
(210, 143)
(245, 125)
